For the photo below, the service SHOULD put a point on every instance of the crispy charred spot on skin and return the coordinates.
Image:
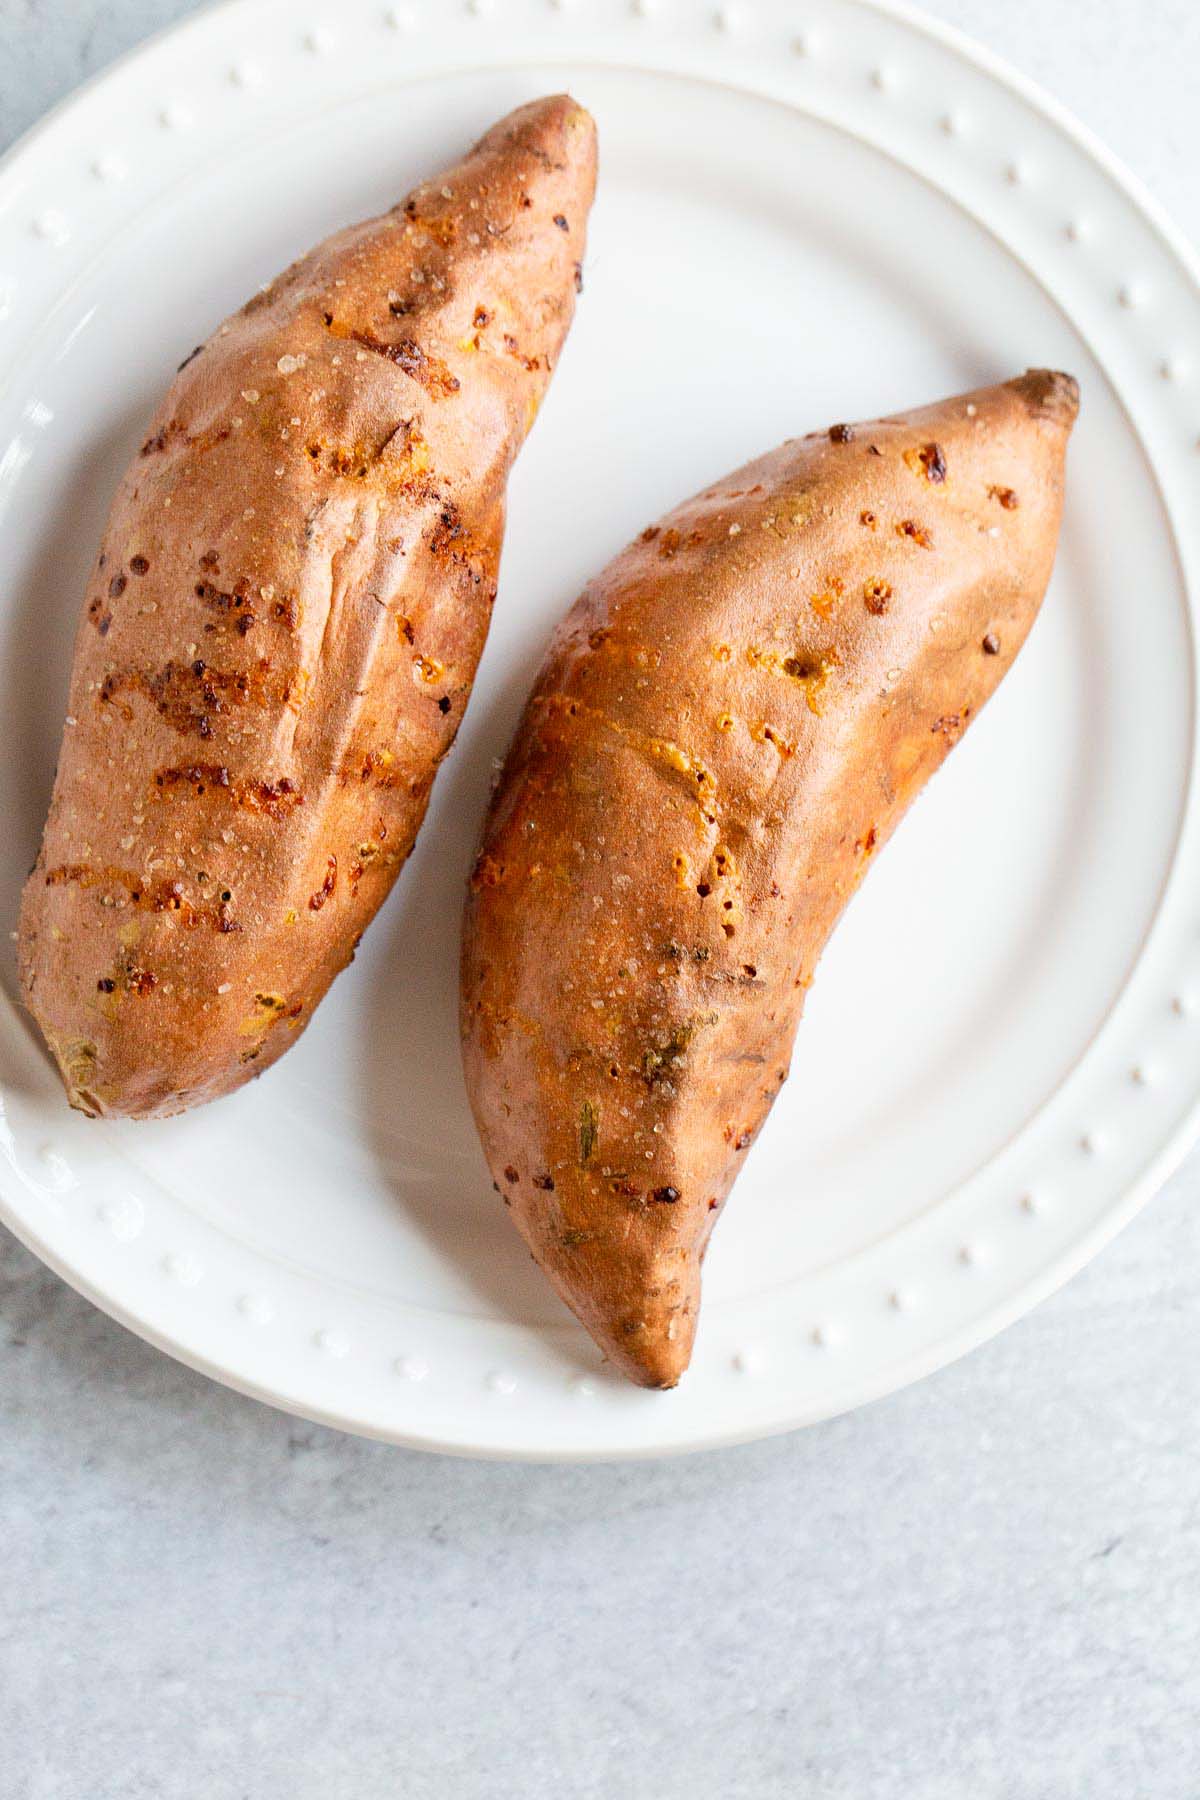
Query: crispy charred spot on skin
(561, 222)
(451, 541)
(511, 1176)
(140, 565)
(190, 357)
(810, 670)
(991, 644)
(865, 847)
(189, 696)
(824, 603)
(665, 1196)
(545, 1182)
(316, 901)
(375, 766)
(929, 461)
(876, 595)
(841, 434)
(99, 615)
(144, 896)
(231, 601)
(916, 533)
(442, 227)
(952, 725)
(867, 517)
(579, 278)
(512, 348)
(201, 442)
(767, 734)
(1005, 496)
(429, 372)
(486, 873)
(274, 798)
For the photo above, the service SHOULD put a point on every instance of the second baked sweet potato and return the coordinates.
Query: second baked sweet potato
(728, 725)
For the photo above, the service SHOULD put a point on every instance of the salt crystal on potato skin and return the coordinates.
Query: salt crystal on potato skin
(283, 624)
(817, 632)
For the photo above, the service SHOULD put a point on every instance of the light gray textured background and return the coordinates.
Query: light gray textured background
(986, 1588)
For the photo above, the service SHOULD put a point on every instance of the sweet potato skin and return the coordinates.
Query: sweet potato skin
(727, 726)
(283, 623)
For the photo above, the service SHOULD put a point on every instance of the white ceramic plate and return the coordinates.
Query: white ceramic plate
(807, 211)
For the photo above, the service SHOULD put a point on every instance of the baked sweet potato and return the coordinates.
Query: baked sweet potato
(728, 725)
(283, 623)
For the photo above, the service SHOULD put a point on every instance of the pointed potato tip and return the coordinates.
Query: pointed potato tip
(555, 122)
(649, 1357)
(1049, 394)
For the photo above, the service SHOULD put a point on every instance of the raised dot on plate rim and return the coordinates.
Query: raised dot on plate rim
(902, 1299)
(583, 1385)
(882, 79)
(124, 1217)
(331, 1342)
(319, 39)
(501, 1382)
(749, 1360)
(257, 1308)
(973, 1256)
(245, 75)
(184, 1268)
(1031, 1202)
(52, 227)
(412, 1368)
(804, 43)
(1092, 1143)
(826, 1336)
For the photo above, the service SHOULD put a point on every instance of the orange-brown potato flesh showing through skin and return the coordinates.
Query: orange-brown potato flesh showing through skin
(283, 623)
(727, 726)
